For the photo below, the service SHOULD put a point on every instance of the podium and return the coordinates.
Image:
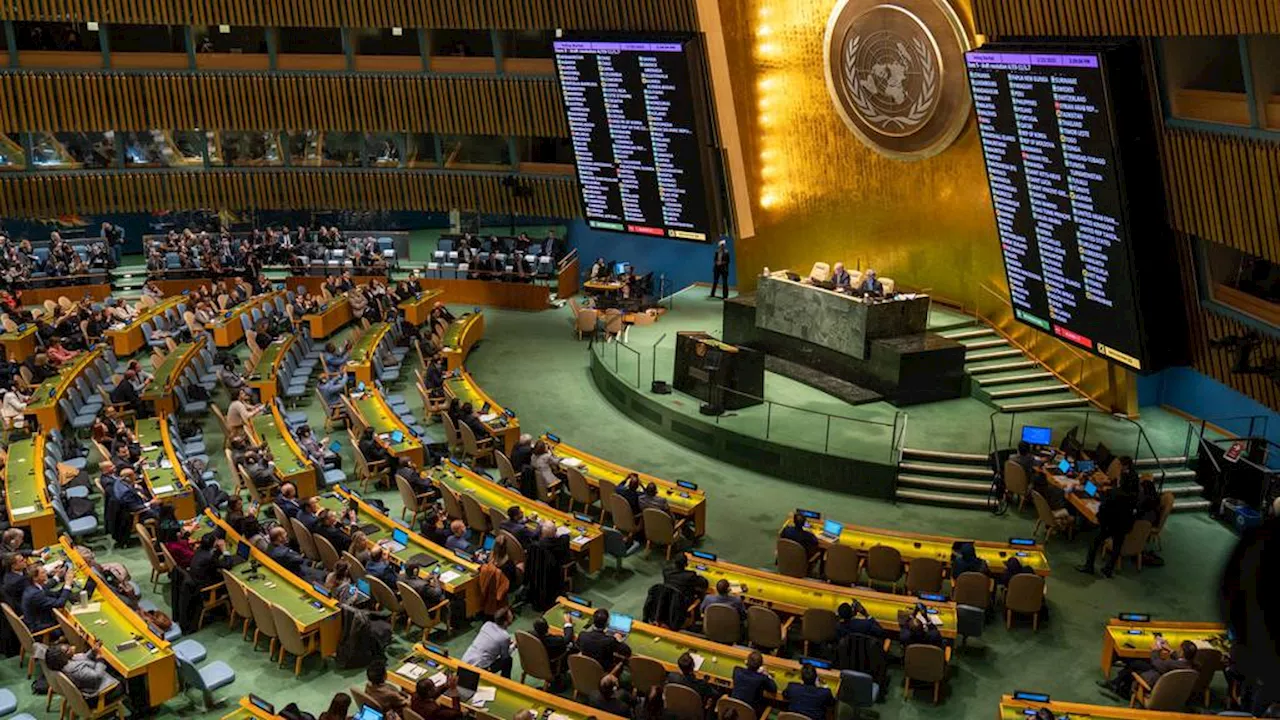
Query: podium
(705, 368)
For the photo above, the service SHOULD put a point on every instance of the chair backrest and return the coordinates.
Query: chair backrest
(722, 624)
(856, 689)
(77, 705)
(25, 638)
(1166, 508)
(452, 505)
(926, 663)
(1043, 512)
(450, 431)
(659, 528)
(407, 495)
(970, 620)
(884, 563)
(469, 444)
(287, 631)
(1136, 541)
(841, 564)
(515, 550)
(924, 575)
(356, 567)
(413, 606)
(385, 598)
(149, 546)
(741, 710)
(764, 629)
(623, 518)
(1208, 662)
(579, 490)
(361, 698)
(818, 625)
(505, 471)
(1172, 690)
(682, 701)
(792, 559)
(534, 659)
(820, 271)
(646, 673)
(585, 671)
(285, 522)
(475, 515)
(262, 616)
(328, 554)
(972, 588)
(1015, 478)
(238, 595)
(1025, 593)
(306, 541)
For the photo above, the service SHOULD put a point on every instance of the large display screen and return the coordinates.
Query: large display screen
(638, 129)
(1046, 125)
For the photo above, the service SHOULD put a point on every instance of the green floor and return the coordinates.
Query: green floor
(532, 364)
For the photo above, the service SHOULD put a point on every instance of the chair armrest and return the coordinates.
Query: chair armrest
(786, 627)
(213, 589)
(438, 606)
(1139, 684)
(681, 523)
(46, 631)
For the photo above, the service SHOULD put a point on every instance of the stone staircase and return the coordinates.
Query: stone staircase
(963, 480)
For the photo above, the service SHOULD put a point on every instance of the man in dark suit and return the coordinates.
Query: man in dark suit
(853, 619)
(287, 500)
(125, 393)
(208, 560)
(1115, 520)
(685, 676)
(797, 532)
(720, 269)
(290, 559)
(605, 647)
(678, 576)
(515, 525)
(1163, 659)
(379, 567)
(751, 683)
(841, 280)
(14, 581)
(522, 454)
(870, 284)
(41, 598)
(330, 529)
(1026, 459)
(559, 647)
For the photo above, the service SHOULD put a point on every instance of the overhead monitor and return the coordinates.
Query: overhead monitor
(638, 114)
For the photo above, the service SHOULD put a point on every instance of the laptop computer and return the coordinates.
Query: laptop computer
(1085, 466)
(831, 529)
(242, 554)
(468, 683)
(620, 623)
(399, 541)
(369, 528)
(1064, 466)
(1090, 489)
(368, 713)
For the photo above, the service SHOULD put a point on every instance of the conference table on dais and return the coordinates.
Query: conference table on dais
(1129, 637)
(374, 412)
(311, 610)
(20, 344)
(1023, 706)
(458, 576)
(417, 309)
(27, 500)
(717, 660)
(331, 317)
(792, 596)
(264, 376)
(129, 645)
(159, 390)
(291, 464)
(128, 339)
(459, 337)
(360, 361)
(502, 424)
(509, 696)
(684, 498)
(165, 478)
(586, 539)
(46, 396)
(936, 547)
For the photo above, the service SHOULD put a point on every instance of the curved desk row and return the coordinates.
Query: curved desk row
(163, 473)
(332, 317)
(47, 396)
(291, 464)
(159, 392)
(1014, 708)
(228, 329)
(128, 340)
(27, 501)
(1129, 640)
(370, 409)
(459, 337)
(264, 375)
(360, 361)
(20, 344)
(417, 309)
(502, 424)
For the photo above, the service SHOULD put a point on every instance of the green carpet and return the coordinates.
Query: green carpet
(531, 363)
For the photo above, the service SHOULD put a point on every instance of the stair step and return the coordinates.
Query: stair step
(993, 355)
(1028, 391)
(1016, 378)
(1043, 405)
(946, 470)
(947, 484)
(968, 334)
(940, 498)
(944, 455)
(1189, 505)
(1177, 461)
(1183, 488)
(983, 344)
(1176, 474)
(1000, 367)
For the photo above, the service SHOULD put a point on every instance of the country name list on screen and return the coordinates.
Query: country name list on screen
(634, 132)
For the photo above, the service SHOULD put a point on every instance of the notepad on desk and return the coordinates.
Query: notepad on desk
(488, 417)
(162, 489)
(24, 510)
(411, 670)
(449, 576)
(483, 694)
(571, 462)
(580, 540)
(86, 608)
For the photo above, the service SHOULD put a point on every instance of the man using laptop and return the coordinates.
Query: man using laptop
(797, 532)
(491, 650)
(599, 643)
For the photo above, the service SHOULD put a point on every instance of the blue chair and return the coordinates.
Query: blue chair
(970, 622)
(333, 476)
(190, 650)
(617, 547)
(857, 690)
(8, 702)
(77, 528)
(79, 420)
(186, 406)
(207, 679)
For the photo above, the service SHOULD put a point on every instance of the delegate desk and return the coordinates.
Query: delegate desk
(228, 330)
(417, 309)
(586, 539)
(109, 619)
(372, 411)
(291, 464)
(510, 696)
(165, 477)
(27, 501)
(936, 547)
(792, 596)
(1012, 708)
(360, 362)
(684, 499)
(46, 396)
(333, 316)
(248, 709)
(666, 646)
(264, 376)
(1085, 505)
(311, 610)
(20, 344)
(502, 424)
(1126, 640)
(458, 577)
(159, 392)
(459, 337)
(128, 339)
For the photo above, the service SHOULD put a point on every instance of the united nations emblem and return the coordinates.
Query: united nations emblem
(895, 72)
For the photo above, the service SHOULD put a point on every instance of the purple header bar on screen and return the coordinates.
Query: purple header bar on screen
(588, 46)
(979, 59)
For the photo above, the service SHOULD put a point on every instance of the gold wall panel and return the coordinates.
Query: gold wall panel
(1151, 18)
(88, 101)
(475, 14)
(51, 195)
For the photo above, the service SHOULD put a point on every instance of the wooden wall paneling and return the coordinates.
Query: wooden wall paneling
(1111, 17)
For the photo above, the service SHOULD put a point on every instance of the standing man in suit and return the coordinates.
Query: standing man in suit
(1115, 520)
(720, 270)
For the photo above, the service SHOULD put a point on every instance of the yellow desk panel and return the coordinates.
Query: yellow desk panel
(128, 339)
(417, 310)
(265, 374)
(1122, 639)
(360, 362)
(375, 413)
(684, 502)
(45, 397)
(793, 596)
(586, 539)
(503, 428)
(159, 392)
(335, 315)
(27, 501)
(461, 335)
(164, 476)
(1011, 709)
(246, 710)
(227, 330)
(21, 345)
(291, 465)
